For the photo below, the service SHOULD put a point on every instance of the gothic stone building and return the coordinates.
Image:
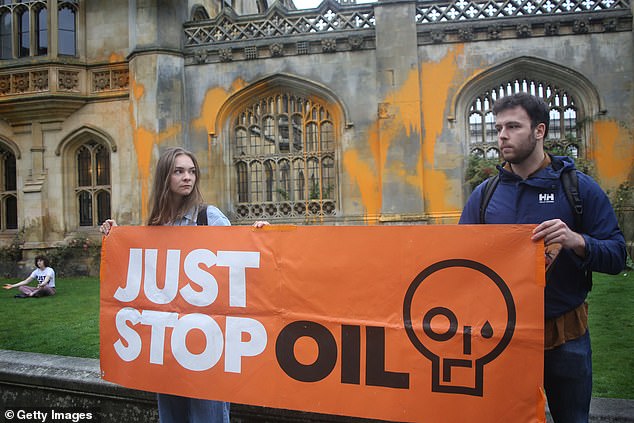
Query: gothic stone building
(343, 114)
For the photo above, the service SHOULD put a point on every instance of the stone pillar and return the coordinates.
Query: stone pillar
(156, 82)
(53, 26)
(399, 111)
(34, 211)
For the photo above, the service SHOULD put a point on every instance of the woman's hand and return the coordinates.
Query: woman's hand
(260, 223)
(8, 286)
(106, 226)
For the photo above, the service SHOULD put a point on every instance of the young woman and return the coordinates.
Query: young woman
(176, 200)
(45, 277)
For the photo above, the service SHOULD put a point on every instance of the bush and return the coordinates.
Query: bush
(621, 200)
(10, 255)
(77, 256)
(479, 169)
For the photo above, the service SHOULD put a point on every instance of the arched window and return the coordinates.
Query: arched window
(8, 191)
(564, 135)
(284, 159)
(92, 187)
(24, 23)
(41, 31)
(24, 32)
(66, 31)
(5, 35)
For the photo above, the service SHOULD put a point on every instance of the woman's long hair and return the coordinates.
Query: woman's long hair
(165, 207)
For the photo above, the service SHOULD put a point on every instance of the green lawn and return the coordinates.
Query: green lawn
(65, 324)
(68, 324)
(612, 330)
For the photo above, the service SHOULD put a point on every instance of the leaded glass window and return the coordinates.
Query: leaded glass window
(8, 191)
(5, 35)
(24, 28)
(564, 133)
(284, 158)
(42, 31)
(66, 31)
(92, 186)
(24, 39)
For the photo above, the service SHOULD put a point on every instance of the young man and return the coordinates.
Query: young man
(530, 190)
(45, 277)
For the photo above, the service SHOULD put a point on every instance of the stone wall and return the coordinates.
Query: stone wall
(48, 381)
(31, 380)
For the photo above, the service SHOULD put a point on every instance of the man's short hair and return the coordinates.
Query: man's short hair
(43, 258)
(535, 107)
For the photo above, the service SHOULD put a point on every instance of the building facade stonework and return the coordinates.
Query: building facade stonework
(343, 114)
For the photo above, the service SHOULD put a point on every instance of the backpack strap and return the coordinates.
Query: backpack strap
(570, 183)
(571, 187)
(201, 217)
(487, 193)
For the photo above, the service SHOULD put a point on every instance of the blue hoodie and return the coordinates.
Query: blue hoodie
(542, 197)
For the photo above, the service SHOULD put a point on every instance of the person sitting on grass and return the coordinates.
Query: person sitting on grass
(45, 277)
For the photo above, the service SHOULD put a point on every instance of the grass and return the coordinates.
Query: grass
(68, 324)
(611, 315)
(65, 324)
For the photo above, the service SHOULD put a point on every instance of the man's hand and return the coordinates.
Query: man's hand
(556, 231)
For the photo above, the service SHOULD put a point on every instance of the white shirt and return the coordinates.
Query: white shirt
(39, 275)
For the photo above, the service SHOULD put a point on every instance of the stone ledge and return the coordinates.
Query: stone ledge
(42, 380)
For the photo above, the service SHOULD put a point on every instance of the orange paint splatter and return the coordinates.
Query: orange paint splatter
(613, 152)
(363, 174)
(144, 141)
(437, 79)
(116, 57)
(214, 99)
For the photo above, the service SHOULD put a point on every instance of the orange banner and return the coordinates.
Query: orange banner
(406, 323)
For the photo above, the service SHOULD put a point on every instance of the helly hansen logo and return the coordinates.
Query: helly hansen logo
(546, 198)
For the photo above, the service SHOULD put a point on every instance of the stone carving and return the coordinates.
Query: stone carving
(251, 52)
(609, 25)
(225, 54)
(277, 50)
(39, 80)
(200, 56)
(303, 47)
(551, 28)
(20, 82)
(524, 30)
(494, 32)
(355, 41)
(437, 36)
(101, 81)
(581, 26)
(68, 80)
(466, 34)
(475, 10)
(120, 79)
(228, 27)
(329, 45)
(5, 84)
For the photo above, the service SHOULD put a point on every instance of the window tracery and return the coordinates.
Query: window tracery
(283, 149)
(8, 191)
(564, 132)
(24, 28)
(67, 28)
(92, 185)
